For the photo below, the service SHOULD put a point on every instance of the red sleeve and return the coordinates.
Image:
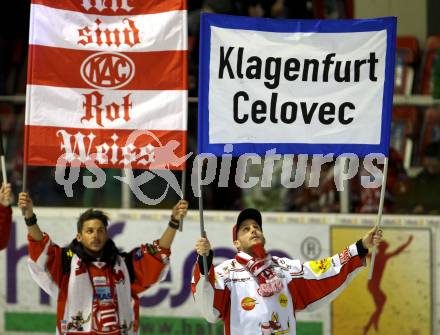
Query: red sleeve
(47, 256)
(149, 261)
(307, 291)
(5, 226)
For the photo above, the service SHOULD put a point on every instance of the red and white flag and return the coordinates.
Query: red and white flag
(98, 71)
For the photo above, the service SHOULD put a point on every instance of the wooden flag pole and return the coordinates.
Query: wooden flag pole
(184, 168)
(2, 158)
(202, 224)
(24, 186)
(26, 146)
(379, 214)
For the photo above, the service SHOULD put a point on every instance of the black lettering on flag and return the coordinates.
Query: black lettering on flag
(224, 63)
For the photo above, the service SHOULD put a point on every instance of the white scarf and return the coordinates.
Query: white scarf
(80, 299)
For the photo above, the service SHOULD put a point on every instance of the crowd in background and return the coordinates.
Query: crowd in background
(411, 188)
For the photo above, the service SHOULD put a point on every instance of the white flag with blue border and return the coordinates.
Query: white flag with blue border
(297, 86)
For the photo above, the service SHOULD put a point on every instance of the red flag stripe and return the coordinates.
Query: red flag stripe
(48, 144)
(138, 7)
(161, 70)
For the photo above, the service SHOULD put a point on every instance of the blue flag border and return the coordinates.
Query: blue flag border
(208, 20)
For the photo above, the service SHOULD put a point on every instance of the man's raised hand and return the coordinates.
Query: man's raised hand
(26, 205)
(5, 194)
(372, 238)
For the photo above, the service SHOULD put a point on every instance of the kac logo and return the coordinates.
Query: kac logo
(107, 70)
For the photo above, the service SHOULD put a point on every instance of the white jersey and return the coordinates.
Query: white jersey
(231, 293)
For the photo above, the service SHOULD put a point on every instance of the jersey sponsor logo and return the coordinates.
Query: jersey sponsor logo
(103, 293)
(282, 300)
(248, 303)
(100, 281)
(344, 256)
(321, 266)
(107, 70)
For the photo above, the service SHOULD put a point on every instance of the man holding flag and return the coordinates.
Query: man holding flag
(272, 87)
(96, 285)
(256, 293)
(5, 214)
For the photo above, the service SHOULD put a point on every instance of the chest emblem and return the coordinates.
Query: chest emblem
(273, 326)
(248, 303)
(282, 300)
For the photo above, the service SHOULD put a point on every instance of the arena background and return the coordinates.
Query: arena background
(410, 276)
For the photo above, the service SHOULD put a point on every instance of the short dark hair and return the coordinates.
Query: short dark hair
(91, 214)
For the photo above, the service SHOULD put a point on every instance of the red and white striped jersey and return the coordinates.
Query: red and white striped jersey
(104, 296)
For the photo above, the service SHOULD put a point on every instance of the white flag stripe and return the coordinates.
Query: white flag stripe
(58, 102)
(157, 32)
(152, 110)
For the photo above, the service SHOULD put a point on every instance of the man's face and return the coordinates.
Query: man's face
(93, 236)
(248, 235)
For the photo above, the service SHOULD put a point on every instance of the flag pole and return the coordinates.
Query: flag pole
(26, 142)
(185, 121)
(182, 195)
(379, 214)
(202, 224)
(2, 158)
(24, 185)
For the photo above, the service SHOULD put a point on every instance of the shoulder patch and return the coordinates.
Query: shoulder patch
(319, 267)
(151, 249)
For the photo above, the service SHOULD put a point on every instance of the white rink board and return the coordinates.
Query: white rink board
(284, 232)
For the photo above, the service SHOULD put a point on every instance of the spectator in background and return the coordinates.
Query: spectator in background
(268, 194)
(282, 9)
(208, 6)
(285, 9)
(321, 198)
(5, 215)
